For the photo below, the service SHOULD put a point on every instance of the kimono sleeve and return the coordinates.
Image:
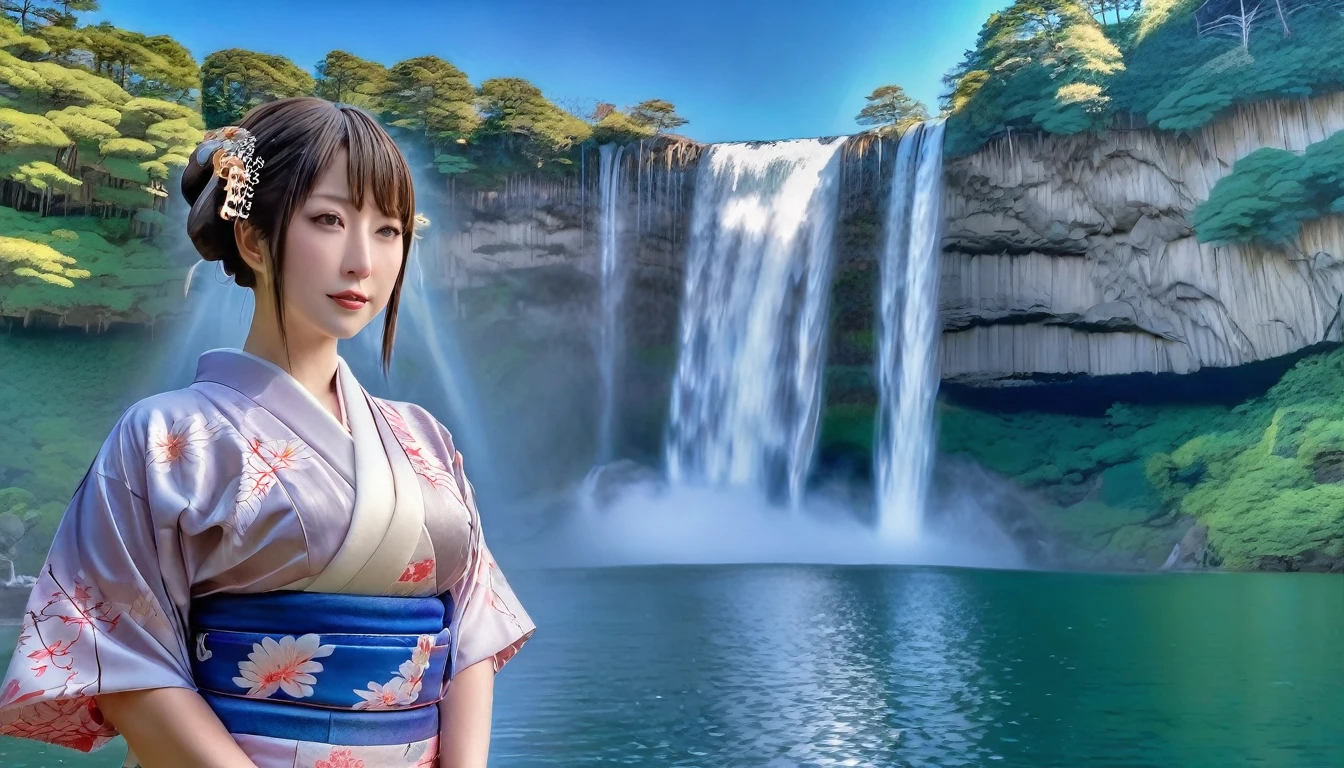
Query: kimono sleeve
(492, 623)
(99, 619)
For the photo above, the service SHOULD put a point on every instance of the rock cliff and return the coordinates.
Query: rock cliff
(1074, 255)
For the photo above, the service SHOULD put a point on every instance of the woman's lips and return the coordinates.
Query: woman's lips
(349, 299)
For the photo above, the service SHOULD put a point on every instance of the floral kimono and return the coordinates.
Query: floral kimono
(305, 574)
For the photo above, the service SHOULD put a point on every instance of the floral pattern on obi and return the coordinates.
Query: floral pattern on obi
(357, 671)
(404, 689)
(285, 665)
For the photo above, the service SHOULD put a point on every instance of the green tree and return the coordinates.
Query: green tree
(658, 114)
(514, 108)
(145, 66)
(29, 13)
(235, 80)
(432, 99)
(1111, 11)
(889, 105)
(617, 128)
(346, 78)
(64, 12)
(1038, 64)
(172, 75)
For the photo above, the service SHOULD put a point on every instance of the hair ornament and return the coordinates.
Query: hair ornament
(420, 224)
(235, 161)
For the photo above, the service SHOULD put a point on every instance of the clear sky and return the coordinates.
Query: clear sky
(737, 69)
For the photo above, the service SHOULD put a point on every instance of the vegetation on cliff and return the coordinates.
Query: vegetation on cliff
(1266, 477)
(890, 108)
(90, 136)
(1065, 66)
(1271, 192)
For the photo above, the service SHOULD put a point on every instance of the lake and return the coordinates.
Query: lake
(909, 666)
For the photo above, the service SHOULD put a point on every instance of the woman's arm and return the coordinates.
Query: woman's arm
(173, 728)
(464, 717)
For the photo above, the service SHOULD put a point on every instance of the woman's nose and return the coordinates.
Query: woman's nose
(358, 261)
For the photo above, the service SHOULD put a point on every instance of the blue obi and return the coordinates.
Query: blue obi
(353, 670)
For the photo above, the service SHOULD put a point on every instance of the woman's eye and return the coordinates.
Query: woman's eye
(329, 219)
(390, 231)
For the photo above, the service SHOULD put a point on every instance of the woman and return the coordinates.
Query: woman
(272, 567)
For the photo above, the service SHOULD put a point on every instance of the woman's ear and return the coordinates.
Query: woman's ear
(253, 248)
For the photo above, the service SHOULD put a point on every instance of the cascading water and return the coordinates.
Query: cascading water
(613, 289)
(746, 398)
(908, 334)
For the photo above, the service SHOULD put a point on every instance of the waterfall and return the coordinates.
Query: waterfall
(747, 394)
(908, 333)
(613, 288)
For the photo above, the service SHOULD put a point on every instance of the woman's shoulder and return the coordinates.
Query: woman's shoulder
(170, 407)
(418, 422)
(169, 412)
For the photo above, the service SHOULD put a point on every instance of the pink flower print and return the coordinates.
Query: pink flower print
(423, 461)
(54, 654)
(395, 693)
(11, 695)
(340, 757)
(54, 640)
(184, 441)
(485, 575)
(414, 677)
(500, 659)
(286, 665)
(423, 647)
(262, 462)
(402, 690)
(75, 723)
(418, 571)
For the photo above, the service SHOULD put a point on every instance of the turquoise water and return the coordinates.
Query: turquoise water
(822, 666)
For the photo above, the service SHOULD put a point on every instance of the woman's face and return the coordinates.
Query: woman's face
(341, 262)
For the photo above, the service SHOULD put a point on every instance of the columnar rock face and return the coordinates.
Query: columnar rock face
(521, 267)
(1074, 255)
(533, 229)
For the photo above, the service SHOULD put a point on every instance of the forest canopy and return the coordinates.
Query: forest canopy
(1067, 66)
(96, 121)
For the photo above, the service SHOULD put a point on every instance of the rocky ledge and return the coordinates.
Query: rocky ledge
(1075, 255)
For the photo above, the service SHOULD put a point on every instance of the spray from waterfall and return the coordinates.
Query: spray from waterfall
(747, 394)
(611, 188)
(908, 334)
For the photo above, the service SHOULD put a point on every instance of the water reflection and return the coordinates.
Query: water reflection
(874, 666)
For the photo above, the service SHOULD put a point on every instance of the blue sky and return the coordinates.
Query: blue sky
(737, 69)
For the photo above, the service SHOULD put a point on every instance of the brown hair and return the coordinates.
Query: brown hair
(297, 138)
